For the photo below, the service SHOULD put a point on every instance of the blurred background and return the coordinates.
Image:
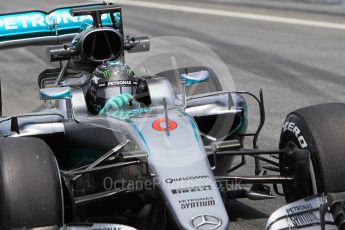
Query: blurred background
(293, 49)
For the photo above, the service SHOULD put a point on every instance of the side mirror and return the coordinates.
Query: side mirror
(55, 93)
(190, 79)
(195, 77)
(137, 44)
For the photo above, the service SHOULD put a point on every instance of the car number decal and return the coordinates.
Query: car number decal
(160, 125)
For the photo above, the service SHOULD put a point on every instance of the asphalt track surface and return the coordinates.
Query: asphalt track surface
(295, 65)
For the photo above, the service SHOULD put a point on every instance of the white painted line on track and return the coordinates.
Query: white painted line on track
(233, 14)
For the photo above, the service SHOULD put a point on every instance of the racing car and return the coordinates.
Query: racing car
(168, 162)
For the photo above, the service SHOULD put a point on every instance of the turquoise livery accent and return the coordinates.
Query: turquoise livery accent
(55, 93)
(191, 82)
(195, 78)
(194, 126)
(134, 126)
(39, 24)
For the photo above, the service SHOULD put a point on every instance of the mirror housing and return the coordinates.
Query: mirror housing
(190, 79)
(55, 93)
(195, 77)
(137, 44)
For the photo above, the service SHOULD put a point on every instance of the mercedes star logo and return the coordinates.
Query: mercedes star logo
(206, 222)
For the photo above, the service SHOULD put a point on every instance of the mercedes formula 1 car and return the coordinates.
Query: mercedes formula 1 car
(172, 162)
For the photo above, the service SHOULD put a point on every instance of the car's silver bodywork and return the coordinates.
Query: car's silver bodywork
(177, 158)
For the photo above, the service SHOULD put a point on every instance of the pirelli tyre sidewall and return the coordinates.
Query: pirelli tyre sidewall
(30, 186)
(321, 130)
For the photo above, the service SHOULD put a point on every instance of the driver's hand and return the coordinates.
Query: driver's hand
(116, 103)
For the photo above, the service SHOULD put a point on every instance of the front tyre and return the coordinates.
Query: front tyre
(30, 188)
(321, 130)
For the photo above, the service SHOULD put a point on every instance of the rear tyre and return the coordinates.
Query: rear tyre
(319, 129)
(30, 188)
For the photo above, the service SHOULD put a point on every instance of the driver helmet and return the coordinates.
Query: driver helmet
(109, 79)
